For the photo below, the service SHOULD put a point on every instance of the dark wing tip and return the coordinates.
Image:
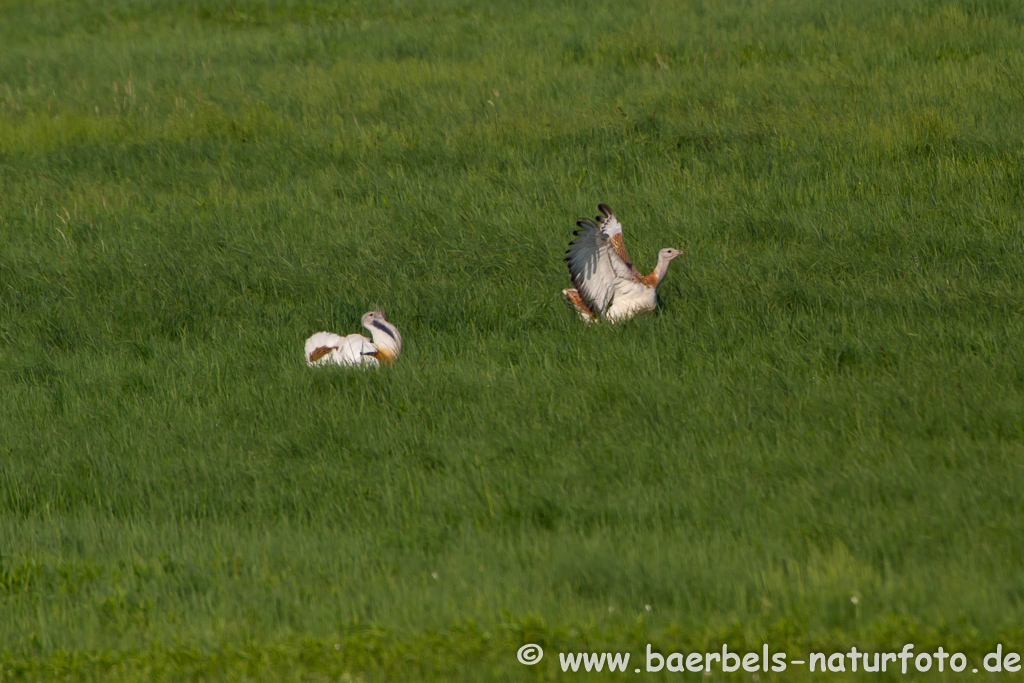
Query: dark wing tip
(606, 211)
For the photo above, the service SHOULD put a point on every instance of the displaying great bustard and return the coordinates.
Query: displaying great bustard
(608, 285)
(327, 348)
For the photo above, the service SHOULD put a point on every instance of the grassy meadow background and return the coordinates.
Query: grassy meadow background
(828, 403)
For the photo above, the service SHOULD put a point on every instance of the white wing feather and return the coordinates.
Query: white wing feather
(358, 350)
(590, 268)
(322, 340)
(594, 264)
(355, 349)
(610, 225)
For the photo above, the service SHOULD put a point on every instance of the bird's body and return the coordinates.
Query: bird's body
(327, 348)
(607, 284)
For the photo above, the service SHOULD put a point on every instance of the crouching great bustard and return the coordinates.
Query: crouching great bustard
(608, 285)
(327, 348)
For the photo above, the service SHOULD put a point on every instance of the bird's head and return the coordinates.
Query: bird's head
(669, 253)
(370, 316)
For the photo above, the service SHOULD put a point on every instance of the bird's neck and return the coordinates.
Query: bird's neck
(387, 340)
(659, 271)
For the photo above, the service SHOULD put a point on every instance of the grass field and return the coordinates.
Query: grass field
(828, 403)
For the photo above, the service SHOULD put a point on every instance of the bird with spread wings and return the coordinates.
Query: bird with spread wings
(607, 284)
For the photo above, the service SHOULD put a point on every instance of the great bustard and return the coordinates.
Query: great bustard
(608, 285)
(327, 348)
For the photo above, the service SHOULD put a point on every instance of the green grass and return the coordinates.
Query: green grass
(828, 403)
